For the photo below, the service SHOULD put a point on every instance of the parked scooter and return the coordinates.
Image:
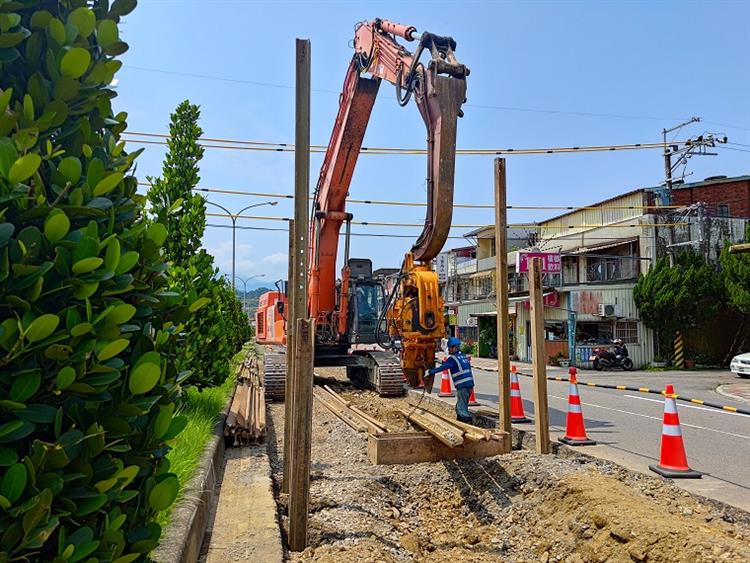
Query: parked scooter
(607, 359)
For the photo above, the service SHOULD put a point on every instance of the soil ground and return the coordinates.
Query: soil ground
(515, 507)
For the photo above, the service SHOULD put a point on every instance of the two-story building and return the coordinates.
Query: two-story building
(603, 249)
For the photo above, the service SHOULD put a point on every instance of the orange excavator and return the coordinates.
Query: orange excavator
(356, 310)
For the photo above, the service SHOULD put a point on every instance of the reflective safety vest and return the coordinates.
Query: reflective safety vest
(460, 370)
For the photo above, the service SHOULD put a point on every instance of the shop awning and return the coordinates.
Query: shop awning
(604, 246)
(485, 274)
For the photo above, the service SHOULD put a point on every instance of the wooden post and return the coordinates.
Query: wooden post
(300, 437)
(541, 410)
(299, 484)
(291, 318)
(501, 292)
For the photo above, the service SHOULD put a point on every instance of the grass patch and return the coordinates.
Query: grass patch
(202, 409)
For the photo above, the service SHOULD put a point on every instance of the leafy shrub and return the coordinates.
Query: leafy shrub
(87, 327)
(216, 332)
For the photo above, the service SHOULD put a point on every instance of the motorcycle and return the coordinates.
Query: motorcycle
(606, 359)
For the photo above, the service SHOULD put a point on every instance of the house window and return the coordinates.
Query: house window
(627, 331)
(722, 210)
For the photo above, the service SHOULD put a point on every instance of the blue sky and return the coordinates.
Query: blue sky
(655, 62)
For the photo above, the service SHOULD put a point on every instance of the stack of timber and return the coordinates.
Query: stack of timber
(246, 422)
(452, 433)
(350, 414)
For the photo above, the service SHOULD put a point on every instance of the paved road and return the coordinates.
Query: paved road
(627, 425)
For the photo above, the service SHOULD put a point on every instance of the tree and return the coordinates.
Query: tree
(172, 197)
(736, 272)
(88, 331)
(212, 332)
(679, 297)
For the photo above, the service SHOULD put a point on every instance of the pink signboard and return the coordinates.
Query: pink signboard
(551, 263)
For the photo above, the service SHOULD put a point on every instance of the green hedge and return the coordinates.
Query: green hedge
(88, 330)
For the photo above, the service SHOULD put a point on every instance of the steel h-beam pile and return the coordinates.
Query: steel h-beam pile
(246, 422)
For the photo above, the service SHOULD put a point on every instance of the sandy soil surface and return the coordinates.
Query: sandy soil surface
(516, 507)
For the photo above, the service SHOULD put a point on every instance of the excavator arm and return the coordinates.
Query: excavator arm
(415, 314)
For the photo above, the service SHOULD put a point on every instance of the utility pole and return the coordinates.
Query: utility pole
(304, 338)
(501, 295)
(668, 150)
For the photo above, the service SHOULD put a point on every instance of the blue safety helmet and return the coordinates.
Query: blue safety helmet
(453, 341)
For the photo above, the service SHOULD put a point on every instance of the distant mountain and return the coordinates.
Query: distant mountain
(251, 298)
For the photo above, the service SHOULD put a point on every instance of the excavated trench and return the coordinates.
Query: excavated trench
(515, 507)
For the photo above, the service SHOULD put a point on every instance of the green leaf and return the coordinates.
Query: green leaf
(6, 231)
(157, 233)
(164, 493)
(10, 427)
(122, 313)
(127, 261)
(8, 40)
(75, 62)
(111, 349)
(122, 7)
(5, 99)
(143, 378)
(28, 108)
(87, 265)
(70, 167)
(108, 183)
(24, 168)
(14, 482)
(8, 155)
(65, 377)
(84, 19)
(81, 328)
(106, 33)
(163, 420)
(25, 385)
(42, 414)
(112, 255)
(41, 327)
(89, 505)
(199, 303)
(7, 457)
(56, 225)
(56, 30)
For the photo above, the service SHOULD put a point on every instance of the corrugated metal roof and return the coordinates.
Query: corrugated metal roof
(587, 249)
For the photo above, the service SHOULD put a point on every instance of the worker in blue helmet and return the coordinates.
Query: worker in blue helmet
(463, 380)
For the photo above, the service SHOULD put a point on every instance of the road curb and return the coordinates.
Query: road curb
(183, 538)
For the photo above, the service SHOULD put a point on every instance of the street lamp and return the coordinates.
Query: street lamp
(244, 288)
(234, 217)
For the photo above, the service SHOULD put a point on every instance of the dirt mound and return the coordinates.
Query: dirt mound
(516, 507)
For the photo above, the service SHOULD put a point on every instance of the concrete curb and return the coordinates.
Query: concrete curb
(182, 540)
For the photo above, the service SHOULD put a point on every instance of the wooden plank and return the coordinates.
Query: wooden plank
(341, 411)
(299, 472)
(447, 434)
(541, 410)
(374, 421)
(501, 292)
(469, 429)
(739, 248)
(419, 447)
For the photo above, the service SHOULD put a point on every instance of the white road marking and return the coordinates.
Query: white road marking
(656, 418)
(681, 404)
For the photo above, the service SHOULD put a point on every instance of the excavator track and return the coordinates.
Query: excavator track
(387, 377)
(274, 375)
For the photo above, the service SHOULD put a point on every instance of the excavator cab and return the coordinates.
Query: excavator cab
(366, 301)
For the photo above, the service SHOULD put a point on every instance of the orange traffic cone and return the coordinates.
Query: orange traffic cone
(445, 384)
(575, 431)
(473, 400)
(516, 402)
(672, 461)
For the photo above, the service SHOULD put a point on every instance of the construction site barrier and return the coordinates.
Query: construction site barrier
(738, 410)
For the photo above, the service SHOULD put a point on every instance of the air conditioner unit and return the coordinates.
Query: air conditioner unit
(610, 310)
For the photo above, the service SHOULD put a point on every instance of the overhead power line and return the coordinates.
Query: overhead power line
(262, 146)
(421, 204)
(471, 105)
(385, 235)
(510, 226)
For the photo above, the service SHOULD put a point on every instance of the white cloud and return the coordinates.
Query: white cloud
(278, 258)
